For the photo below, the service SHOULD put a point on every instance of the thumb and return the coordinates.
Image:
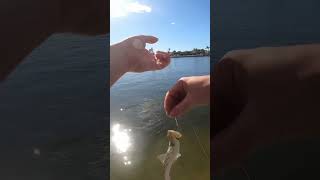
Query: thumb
(148, 39)
(139, 42)
(181, 108)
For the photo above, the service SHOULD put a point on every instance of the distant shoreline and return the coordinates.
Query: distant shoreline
(189, 56)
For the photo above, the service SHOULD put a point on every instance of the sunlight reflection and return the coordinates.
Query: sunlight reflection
(122, 141)
(120, 138)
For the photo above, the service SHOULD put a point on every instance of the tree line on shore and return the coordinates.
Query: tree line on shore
(194, 52)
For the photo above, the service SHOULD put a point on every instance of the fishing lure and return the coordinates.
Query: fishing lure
(172, 154)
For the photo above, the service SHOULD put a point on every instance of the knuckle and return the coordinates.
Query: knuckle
(184, 79)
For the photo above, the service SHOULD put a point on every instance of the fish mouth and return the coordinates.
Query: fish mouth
(174, 134)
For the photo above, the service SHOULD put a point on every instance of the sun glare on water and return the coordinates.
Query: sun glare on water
(122, 142)
(120, 138)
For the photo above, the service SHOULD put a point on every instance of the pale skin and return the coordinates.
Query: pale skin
(130, 55)
(265, 119)
(186, 94)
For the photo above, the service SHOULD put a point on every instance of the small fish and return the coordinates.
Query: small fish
(172, 154)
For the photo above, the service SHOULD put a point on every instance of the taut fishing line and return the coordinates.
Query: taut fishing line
(203, 150)
(197, 137)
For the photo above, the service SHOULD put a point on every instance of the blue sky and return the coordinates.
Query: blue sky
(179, 24)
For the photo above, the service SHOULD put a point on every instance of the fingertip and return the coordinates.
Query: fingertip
(155, 38)
(152, 39)
(162, 61)
(147, 39)
(168, 114)
(163, 53)
(174, 112)
(158, 55)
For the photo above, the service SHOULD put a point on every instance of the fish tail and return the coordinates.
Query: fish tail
(167, 177)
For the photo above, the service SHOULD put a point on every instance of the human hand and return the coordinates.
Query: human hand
(130, 55)
(262, 97)
(187, 93)
(139, 59)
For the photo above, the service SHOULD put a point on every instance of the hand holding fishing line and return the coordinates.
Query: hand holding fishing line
(187, 93)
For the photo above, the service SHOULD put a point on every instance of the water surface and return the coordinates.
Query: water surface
(136, 104)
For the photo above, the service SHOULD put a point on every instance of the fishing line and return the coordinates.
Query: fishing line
(198, 139)
(203, 150)
(177, 123)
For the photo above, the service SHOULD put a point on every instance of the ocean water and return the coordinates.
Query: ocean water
(54, 118)
(250, 24)
(136, 104)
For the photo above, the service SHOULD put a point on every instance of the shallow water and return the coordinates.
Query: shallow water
(136, 104)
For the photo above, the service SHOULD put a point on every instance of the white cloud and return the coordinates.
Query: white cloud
(136, 7)
(121, 8)
(173, 23)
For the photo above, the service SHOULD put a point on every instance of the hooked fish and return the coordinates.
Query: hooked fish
(172, 154)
